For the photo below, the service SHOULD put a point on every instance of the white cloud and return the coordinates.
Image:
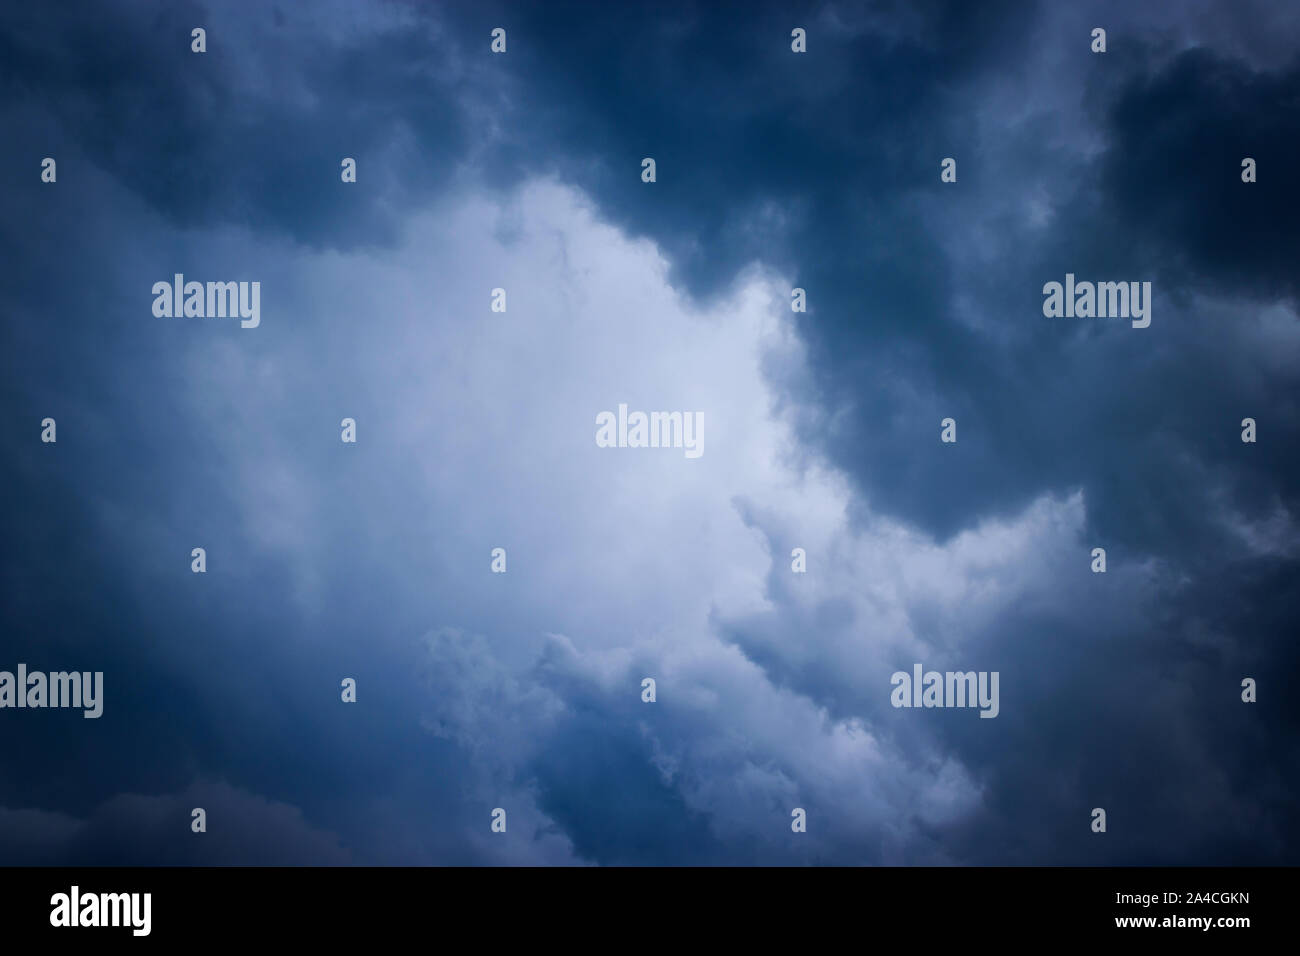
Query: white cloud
(477, 430)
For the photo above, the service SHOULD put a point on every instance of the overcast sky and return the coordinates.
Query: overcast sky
(821, 431)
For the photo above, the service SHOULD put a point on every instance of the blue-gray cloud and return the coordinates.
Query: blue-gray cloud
(775, 170)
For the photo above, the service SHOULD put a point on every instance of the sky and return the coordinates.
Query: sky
(821, 430)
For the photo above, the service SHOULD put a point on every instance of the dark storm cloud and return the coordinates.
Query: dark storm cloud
(1172, 175)
(925, 301)
(135, 830)
(253, 131)
(828, 165)
(598, 782)
(203, 675)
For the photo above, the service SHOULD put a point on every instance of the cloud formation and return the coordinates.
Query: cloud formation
(476, 430)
